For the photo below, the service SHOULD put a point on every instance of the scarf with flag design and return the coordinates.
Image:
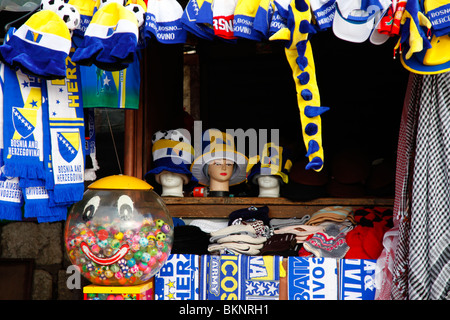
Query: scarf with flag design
(23, 133)
(65, 178)
(11, 198)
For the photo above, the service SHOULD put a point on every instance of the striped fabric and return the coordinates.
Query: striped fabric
(422, 264)
(333, 213)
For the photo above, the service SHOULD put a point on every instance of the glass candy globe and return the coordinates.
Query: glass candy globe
(120, 233)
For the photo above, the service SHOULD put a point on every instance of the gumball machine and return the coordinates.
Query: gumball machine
(120, 233)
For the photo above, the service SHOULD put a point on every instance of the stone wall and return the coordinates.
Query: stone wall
(42, 242)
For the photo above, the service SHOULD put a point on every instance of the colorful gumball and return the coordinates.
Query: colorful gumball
(146, 257)
(165, 228)
(161, 236)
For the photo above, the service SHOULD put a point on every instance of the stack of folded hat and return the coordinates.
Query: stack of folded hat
(250, 213)
(329, 243)
(283, 244)
(247, 231)
(333, 215)
(329, 240)
(296, 227)
(288, 236)
(245, 238)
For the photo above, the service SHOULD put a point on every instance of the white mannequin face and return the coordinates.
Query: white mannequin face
(170, 179)
(268, 181)
(220, 170)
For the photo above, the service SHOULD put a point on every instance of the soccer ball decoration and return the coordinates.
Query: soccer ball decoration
(120, 233)
(70, 15)
(177, 135)
(52, 5)
(138, 11)
(158, 135)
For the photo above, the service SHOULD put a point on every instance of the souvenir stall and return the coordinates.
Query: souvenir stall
(270, 150)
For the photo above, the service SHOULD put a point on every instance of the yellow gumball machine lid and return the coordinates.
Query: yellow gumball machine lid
(120, 182)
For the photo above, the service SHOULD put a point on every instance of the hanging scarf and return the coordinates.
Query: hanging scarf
(37, 198)
(37, 205)
(429, 237)
(23, 133)
(65, 178)
(11, 199)
(422, 254)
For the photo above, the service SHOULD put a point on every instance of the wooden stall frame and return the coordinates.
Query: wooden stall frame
(193, 207)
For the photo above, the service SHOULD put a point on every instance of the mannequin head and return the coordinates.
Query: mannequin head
(219, 173)
(269, 186)
(172, 183)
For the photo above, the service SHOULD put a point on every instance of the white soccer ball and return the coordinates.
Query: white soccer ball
(51, 4)
(138, 11)
(70, 15)
(159, 135)
(178, 135)
(105, 2)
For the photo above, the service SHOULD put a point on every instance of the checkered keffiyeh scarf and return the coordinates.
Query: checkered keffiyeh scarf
(422, 262)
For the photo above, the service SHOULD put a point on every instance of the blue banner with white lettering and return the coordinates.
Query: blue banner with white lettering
(357, 279)
(312, 278)
(178, 279)
(240, 277)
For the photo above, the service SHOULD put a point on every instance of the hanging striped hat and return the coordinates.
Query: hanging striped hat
(110, 40)
(39, 47)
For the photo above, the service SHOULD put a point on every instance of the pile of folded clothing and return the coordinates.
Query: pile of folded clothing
(296, 227)
(239, 239)
(330, 240)
(333, 215)
(366, 239)
(246, 233)
(285, 239)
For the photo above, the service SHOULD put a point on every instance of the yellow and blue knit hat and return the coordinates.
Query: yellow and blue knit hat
(39, 47)
(172, 151)
(110, 40)
(274, 160)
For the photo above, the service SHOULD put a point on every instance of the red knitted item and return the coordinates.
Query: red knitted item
(365, 242)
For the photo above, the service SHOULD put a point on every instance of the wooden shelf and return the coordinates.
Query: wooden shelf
(192, 207)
